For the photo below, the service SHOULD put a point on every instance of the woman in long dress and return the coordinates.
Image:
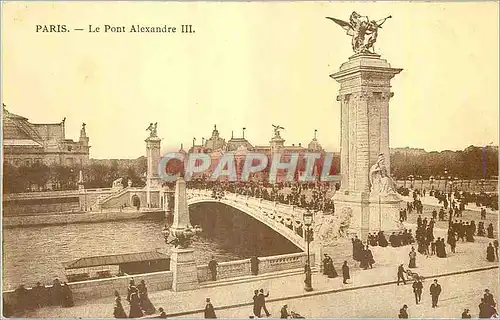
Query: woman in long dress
(67, 296)
(144, 301)
(332, 273)
(413, 258)
(490, 253)
(135, 307)
(118, 311)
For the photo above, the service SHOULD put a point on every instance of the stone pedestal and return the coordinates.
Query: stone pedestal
(364, 96)
(183, 267)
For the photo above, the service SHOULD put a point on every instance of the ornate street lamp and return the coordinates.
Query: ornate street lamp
(308, 221)
(431, 182)
(411, 178)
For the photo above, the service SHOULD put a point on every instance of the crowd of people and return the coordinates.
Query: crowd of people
(59, 294)
(137, 297)
(317, 197)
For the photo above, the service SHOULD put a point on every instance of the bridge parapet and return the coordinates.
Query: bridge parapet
(240, 268)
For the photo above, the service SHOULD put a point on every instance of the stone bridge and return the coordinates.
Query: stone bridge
(284, 219)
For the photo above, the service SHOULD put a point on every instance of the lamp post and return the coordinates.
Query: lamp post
(445, 179)
(455, 183)
(308, 220)
(431, 182)
(411, 178)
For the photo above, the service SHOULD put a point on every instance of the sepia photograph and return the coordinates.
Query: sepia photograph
(239, 160)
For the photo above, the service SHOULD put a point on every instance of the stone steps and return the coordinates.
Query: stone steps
(265, 276)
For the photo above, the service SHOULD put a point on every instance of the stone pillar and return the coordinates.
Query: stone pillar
(153, 158)
(364, 96)
(183, 267)
(182, 260)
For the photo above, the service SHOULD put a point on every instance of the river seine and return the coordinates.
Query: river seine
(32, 254)
(36, 253)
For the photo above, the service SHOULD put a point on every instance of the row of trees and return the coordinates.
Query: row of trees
(470, 163)
(57, 177)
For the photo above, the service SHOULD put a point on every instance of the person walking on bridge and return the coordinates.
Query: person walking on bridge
(262, 302)
(212, 266)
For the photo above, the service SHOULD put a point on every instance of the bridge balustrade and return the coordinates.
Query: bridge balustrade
(242, 268)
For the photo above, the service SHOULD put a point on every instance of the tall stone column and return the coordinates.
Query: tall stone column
(153, 159)
(364, 96)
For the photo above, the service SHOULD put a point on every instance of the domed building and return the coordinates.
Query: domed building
(26, 143)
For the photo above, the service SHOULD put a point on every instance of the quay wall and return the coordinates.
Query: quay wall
(68, 218)
(102, 288)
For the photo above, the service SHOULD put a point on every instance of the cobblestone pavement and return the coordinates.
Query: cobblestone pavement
(468, 256)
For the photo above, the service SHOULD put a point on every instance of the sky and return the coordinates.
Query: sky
(247, 65)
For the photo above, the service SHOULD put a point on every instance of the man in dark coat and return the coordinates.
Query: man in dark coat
(435, 291)
(490, 253)
(466, 314)
(262, 301)
(345, 272)
(417, 290)
(209, 310)
(284, 312)
(212, 266)
(403, 312)
(254, 261)
(401, 272)
(488, 298)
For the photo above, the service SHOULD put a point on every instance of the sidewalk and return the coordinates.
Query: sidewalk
(469, 256)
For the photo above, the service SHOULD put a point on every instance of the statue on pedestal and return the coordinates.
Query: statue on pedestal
(277, 129)
(83, 133)
(152, 129)
(380, 180)
(363, 31)
(117, 183)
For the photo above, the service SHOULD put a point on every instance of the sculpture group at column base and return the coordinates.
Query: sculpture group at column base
(369, 212)
(183, 267)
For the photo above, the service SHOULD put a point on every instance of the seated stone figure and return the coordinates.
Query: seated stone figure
(380, 180)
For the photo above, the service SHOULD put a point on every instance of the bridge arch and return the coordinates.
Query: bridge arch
(280, 219)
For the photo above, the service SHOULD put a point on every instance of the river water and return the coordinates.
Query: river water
(32, 254)
(37, 253)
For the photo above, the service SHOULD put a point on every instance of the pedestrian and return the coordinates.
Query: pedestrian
(118, 311)
(254, 265)
(488, 298)
(466, 314)
(401, 271)
(489, 231)
(67, 296)
(56, 293)
(162, 315)
(495, 244)
(256, 304)
(284, 312)
(403, 312)
(144, 301)
(413, 258)
(135, 306)
(212, 266)
(490, 253)
(345, 272)
(209, 310)
(325, 264)
(417, 290)
(435, 291)
(262, 301)
(39, 295)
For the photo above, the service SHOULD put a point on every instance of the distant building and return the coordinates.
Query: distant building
(215, 147)
(26, 143)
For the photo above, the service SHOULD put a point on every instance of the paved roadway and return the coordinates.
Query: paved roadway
(459, 292)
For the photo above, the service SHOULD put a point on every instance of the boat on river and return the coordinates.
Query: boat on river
(108, 266)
